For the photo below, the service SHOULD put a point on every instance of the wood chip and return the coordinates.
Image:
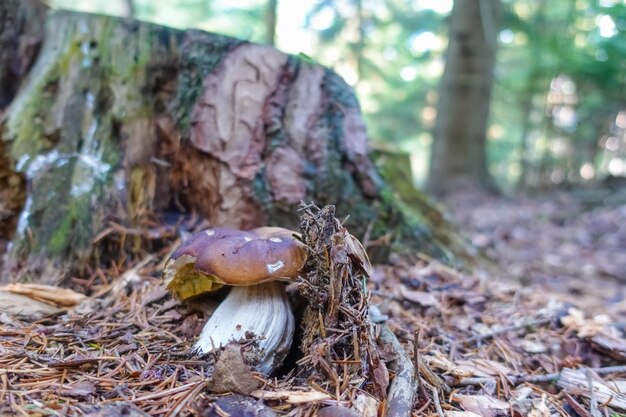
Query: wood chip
(292, 397)
(47, 293)
(483, 405)
(575, 381)
(422, 298)
(24, 307)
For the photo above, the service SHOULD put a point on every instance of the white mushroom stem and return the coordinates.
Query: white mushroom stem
(264, 311)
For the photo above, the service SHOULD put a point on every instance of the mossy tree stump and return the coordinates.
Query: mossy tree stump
(120, 120)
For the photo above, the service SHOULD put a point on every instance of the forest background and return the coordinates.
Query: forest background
(557, 112)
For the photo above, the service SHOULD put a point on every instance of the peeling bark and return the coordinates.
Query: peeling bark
(122, 122)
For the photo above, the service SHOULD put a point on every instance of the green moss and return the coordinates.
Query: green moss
(61, 234)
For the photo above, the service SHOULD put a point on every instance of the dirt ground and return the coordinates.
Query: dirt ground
(572, 243)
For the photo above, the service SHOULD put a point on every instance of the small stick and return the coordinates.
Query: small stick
(402, 390)
(436, 401)
(593, 401)
(519, 379)
(489, 335)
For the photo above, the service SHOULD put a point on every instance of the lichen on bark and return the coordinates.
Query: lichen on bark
(121, 120)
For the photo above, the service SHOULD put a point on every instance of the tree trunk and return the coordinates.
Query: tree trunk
(271, 11)
(123, 126)
(458, 158)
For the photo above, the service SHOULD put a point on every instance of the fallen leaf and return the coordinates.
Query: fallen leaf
(337, 411)
(380, 375)
(587, 327)
(482, 405)
(485, 367)
(113, 410)
(79, 389)
(532, 346)
(422, 298)
(239, 406)
(232, 374)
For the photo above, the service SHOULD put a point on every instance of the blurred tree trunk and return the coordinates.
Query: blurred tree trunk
(123, 126)
(20, 38)
(271, 12)
(129, 8)
(458, 158)
(533, 87)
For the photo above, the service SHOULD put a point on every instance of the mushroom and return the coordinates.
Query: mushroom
(252, 262)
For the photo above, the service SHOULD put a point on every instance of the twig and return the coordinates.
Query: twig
(436, 401)
(402, 390)
(576, 406)
(185, 399)
(593, 401)
(519, 379)
(493, 333)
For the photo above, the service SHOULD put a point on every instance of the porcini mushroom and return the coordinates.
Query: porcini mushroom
(252, 262)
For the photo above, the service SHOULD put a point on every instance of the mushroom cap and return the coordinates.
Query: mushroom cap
(222, 256)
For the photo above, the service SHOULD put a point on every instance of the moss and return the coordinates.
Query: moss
(199, 57)
(89, 81)
(60, 236)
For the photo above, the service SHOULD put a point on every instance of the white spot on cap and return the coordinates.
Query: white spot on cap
(271, 268)
(276, 239)
(209, 232)
(247, 239)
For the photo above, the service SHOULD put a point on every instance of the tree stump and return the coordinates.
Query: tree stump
(120, 123)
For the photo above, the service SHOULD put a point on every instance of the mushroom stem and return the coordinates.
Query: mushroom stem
(261, 311)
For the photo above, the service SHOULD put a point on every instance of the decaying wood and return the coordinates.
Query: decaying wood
(124, 132)
(403, 388)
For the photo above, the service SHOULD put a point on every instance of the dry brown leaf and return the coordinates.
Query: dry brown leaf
(586, 327)
(532, 346)
(380, 375)
(482, 405)
(292, 397)
(232, 374)
(337, 411)
(485, 367)
(422, 298)
(439, 361)
(79, 389)
(47, 293)
(238, 406)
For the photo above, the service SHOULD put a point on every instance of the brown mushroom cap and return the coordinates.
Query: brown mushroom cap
(223, 256)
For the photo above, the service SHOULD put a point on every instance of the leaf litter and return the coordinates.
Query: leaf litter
(455, 344)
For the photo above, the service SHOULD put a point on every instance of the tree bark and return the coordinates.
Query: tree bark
(458, 158)
(122, 126)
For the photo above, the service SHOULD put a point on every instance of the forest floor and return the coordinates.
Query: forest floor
(572, 243)
(541, 334)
